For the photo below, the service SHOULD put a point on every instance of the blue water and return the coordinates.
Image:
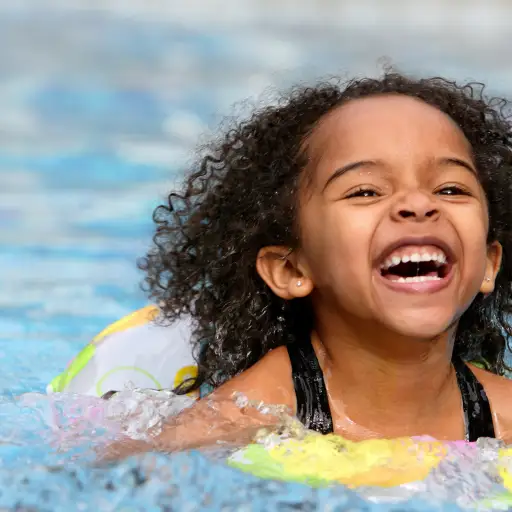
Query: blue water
(100, 109)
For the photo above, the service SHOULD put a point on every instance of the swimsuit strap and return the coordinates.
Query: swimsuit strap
(313, 409)
(475, 404)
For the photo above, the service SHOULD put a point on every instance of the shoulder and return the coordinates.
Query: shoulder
(499, 392)
(269, 380)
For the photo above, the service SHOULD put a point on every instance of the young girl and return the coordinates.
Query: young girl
(347, 253)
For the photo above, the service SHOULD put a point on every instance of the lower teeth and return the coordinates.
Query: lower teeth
(417, 279)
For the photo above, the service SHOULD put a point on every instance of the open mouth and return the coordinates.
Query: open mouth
(410, 265)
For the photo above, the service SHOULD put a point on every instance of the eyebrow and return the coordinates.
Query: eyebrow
(365, 163)
(346, 168)
(456, 161)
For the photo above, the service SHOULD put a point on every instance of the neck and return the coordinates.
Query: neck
(382, 380)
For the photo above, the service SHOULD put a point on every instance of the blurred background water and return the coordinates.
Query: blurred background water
(103, 101)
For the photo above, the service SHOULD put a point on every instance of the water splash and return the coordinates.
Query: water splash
(48, 447)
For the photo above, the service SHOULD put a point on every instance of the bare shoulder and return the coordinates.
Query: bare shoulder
(499, 392)
(269, 380)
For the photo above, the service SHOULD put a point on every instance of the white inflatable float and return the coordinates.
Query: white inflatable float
(134, 351)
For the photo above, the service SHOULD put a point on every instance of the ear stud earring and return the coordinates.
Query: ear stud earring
(487, 278)
(299, 283)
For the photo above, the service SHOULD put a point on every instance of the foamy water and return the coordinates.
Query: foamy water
(50, 436)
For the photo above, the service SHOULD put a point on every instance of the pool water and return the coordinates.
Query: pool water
(101, 105)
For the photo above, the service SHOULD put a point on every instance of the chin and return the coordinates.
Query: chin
(421, 325)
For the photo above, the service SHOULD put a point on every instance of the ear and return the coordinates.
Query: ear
(278, 266)
(492, 267)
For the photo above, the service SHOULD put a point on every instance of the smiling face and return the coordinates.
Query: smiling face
(393, 222)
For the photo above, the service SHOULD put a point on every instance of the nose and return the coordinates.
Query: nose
(416, 207)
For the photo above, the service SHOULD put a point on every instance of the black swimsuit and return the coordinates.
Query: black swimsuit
(313, 405)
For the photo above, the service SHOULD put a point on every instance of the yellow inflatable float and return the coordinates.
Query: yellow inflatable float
(138, 351)
(322, 460)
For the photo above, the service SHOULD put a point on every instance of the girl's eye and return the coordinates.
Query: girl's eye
(453, 190)
(363, 192)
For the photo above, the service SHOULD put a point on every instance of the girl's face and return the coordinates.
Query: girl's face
(393, 220)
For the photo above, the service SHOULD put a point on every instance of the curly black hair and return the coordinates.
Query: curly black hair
(242, 196)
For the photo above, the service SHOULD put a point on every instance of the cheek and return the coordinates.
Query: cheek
(337, 247)
(473, 231)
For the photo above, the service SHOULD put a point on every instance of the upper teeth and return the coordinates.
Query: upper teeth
(415, 257)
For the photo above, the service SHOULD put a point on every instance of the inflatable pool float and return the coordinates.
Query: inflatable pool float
(322, 460)
(135, 351)
(139, 352)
